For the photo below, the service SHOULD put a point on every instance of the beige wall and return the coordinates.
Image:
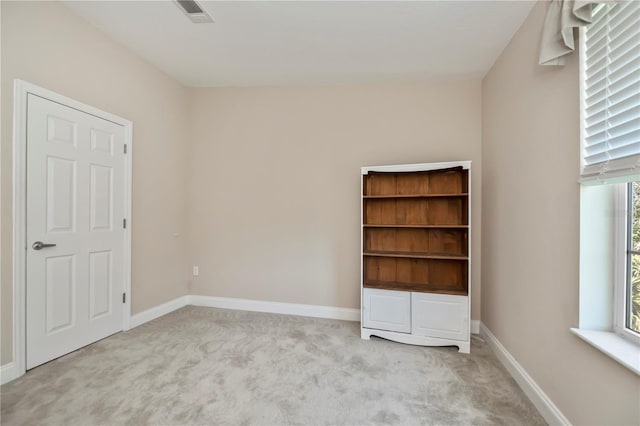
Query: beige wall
(530, 230)
(274, 184)
(48, 45)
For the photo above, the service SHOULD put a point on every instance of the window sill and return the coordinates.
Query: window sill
(617, 347)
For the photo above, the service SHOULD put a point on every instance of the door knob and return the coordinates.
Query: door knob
(39, 245)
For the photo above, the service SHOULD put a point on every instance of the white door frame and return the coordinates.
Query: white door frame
(21, 90)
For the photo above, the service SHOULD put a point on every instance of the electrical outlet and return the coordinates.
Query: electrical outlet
(196, 271)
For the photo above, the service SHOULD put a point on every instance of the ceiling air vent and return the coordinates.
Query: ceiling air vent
(194, 11)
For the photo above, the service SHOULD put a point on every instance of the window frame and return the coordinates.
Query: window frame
(622, 268)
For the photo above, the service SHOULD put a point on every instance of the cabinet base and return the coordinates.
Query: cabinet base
(410, 339)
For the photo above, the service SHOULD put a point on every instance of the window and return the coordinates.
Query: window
(630, 315)
(625, 271)
(611, 138)
(610, 178)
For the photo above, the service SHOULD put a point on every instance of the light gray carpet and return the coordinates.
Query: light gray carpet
(214, 366)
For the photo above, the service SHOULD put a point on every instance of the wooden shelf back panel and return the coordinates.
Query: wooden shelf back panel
(416, 240)
(380, 184)
(465, 181)
(416, 211)
(412, 183)
(465, 210)
(445, 212)
(425, 274)
(446, 181)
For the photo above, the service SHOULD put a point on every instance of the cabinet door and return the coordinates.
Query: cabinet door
(440, 315)
(386, 310)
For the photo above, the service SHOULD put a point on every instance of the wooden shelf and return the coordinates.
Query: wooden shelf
(416, 231)
(366, 225)
(379, 197)
(415, 255)
(417, 287)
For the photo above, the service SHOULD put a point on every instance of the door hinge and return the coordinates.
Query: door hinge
(124, 223)
(125, 148)
(124, 297)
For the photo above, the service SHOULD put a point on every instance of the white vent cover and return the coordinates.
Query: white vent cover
(194, 11)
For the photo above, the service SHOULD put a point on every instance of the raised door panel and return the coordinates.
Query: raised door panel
(60, 194)
(102, 142)
(61, 131)
(101, 194)
(440, 315)
(100, 284)
(386, 310)
(60, 284)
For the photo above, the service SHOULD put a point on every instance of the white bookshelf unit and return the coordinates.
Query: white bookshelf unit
(416, 253)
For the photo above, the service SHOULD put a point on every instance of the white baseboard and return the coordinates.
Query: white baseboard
(475, 326)
(158, 311)
(316, 311)
(8, 372)
(542, 402)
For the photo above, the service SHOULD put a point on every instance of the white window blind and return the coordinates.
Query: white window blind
(611, 72)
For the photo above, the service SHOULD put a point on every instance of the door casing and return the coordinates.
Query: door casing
(20, 92)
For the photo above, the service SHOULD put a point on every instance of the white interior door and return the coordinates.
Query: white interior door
(75, 201)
